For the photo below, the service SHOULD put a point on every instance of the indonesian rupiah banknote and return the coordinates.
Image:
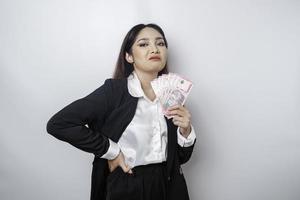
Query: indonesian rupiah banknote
(171, 89)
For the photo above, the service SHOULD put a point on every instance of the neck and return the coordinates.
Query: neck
(145, 79)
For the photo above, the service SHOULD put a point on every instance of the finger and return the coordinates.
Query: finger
(125, 168)
(183, 108)
(178, 106)
(176, 112)
(180, 121)
(181, 124)
(129, 170)
(177, 118)
(174, 107)
(110, 166)
(177, 123)
(184, 113)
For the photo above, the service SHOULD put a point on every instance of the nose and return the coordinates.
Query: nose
(154, 49)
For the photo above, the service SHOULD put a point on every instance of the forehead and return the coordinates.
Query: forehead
(148, 33)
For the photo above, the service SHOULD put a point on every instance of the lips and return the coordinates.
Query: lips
(154, 58)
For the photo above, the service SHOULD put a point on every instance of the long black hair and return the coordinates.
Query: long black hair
(124, 68)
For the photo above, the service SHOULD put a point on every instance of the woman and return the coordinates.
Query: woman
(138, 151)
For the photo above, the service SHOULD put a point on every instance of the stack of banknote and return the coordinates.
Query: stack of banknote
(171, 89)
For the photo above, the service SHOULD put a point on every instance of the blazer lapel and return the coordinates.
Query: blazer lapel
(172, 141)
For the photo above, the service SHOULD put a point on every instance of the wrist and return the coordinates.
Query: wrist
(185, 131)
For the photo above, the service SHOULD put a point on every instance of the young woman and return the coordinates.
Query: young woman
(138, 151)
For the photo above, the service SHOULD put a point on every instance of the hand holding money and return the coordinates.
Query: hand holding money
(181, 118)
(171, 89)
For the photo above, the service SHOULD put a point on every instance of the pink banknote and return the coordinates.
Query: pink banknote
(171, 89)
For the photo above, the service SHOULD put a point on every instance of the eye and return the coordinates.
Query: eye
(161, 43)
(142, 44)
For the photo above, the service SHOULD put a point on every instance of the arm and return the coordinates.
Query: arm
(188, 139)
(185, 145)
(185, 153)
(69, 123)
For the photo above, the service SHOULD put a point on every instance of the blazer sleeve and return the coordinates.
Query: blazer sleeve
(69, 124)
(185, 153)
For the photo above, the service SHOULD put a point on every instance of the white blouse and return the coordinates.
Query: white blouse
(143, 142)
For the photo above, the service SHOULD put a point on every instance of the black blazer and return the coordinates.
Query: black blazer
(87, 123)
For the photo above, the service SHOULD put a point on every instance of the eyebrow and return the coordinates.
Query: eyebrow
(157, 38)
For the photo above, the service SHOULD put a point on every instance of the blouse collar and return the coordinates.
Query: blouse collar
(135, 87)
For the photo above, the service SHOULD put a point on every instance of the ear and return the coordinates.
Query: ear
(129, 58)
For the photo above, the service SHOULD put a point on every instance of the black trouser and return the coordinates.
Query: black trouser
(148, 182)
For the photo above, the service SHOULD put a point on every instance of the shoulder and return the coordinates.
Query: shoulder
(107, 92)
(111, 89)
(115, 85)
(110, 84)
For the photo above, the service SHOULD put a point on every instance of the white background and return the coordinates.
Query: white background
(243, 57)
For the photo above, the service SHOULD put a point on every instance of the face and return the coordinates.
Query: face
(149, 52)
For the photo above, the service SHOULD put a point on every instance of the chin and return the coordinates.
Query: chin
(158, 66)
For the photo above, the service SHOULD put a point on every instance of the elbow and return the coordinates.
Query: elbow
(51, 127)
(185, 153)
